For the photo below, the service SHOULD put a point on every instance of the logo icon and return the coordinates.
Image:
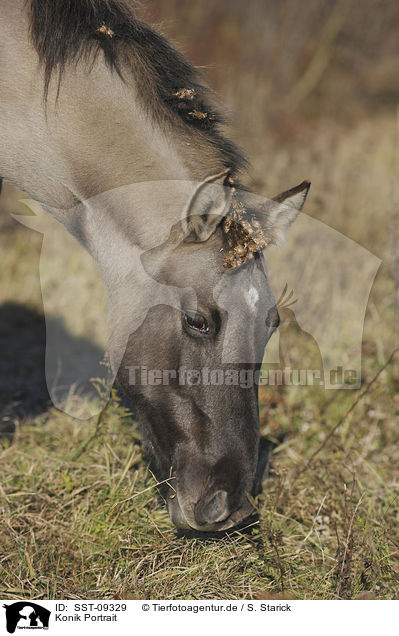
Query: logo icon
(26, 615)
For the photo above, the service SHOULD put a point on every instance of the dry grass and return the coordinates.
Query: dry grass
(94, 526)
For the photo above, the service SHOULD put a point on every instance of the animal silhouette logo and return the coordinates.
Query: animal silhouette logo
(26, 615)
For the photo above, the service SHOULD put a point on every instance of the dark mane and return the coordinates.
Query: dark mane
(67, 31)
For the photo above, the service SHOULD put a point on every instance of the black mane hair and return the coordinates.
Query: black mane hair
(67, 31)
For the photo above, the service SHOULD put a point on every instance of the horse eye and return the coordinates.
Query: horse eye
(197, 322)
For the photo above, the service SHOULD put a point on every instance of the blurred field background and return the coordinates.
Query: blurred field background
(312, 91)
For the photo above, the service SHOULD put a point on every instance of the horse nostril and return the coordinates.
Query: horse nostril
(212, 509)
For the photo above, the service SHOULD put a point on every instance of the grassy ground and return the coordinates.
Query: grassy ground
(80, 516)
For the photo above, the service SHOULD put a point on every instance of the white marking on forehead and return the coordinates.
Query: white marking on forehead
(252, 297)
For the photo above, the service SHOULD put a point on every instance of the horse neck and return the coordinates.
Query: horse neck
(95, 138)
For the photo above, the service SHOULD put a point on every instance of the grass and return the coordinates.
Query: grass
(90, 524)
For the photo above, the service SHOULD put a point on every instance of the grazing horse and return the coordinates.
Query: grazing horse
(110, 129)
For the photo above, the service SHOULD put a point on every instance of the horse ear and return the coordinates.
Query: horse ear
(277, 214)
(207, 207)
(39, 221)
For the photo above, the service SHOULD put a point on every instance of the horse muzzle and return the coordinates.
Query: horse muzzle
(211, 513)
(216, 510)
